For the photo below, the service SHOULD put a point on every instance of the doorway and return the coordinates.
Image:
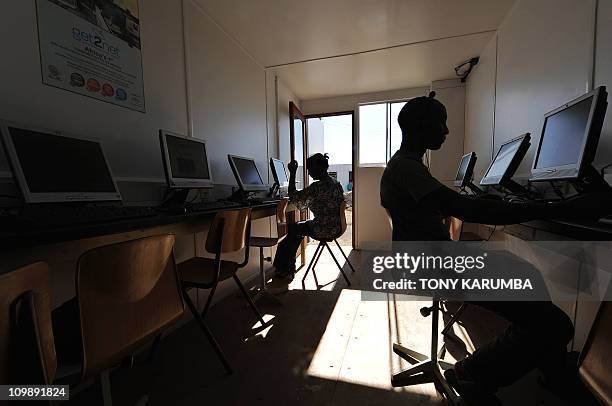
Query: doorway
(333, 134)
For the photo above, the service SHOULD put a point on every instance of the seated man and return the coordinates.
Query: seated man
(417, 202)
(323, 198)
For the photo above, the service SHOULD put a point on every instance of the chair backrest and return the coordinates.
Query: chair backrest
(127, 293)
(455, 228)
(230, 231)
(596, 356)
(281, 217)
(27, 349)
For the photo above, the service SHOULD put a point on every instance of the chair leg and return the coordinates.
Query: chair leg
(345, 257)
(154, 347)
(209, 301)
(107, 398)
(314, 265)
(248, 298)
(454, 319)
(200, 320)
(312, 261)
(348, 282)
(262, 273)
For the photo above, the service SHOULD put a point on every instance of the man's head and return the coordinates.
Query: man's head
(317, 165)
(423, 123)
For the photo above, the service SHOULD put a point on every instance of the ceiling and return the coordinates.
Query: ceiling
(278, 33)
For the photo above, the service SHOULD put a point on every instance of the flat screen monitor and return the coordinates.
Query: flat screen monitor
(279, 172)
(246, 173)
(507, 160)
(185, 161)
(569, 137)
(465, 170)
(52, 167)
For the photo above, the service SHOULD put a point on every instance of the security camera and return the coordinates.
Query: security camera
(463, 69)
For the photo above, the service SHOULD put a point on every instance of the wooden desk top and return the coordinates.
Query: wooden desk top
(183, 223)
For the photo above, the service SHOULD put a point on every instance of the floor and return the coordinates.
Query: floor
(322, 347)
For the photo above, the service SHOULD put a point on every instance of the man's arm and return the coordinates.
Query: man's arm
(486, 211)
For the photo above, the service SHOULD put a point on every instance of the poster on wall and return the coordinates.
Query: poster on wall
(92, 47)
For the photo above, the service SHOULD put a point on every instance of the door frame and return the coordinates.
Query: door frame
(295, 112)
(353, 158)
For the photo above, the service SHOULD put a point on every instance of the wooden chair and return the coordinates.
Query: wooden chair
(27, 349)
(457, 233)
(269, 242)
(127, 294)
(596, 356)
(229, 232)
(324, 243)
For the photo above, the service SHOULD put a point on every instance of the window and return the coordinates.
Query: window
(379, 134)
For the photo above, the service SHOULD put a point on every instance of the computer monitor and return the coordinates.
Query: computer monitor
(52, 167)
(569, 138)
(279, 172)
(185, 161)
(246, 173)
(507, 160)
(465, 170)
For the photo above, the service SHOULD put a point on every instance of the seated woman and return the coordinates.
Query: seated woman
(323, 198)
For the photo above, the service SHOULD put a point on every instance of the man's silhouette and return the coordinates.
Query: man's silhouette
(417, 203)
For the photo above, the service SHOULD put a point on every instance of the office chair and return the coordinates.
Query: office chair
(127, 293)
(269, 242)
(426, 368)
(324, 243)
(27, 348)
(229, 232)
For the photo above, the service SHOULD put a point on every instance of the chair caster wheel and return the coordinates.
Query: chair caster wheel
(425, 311)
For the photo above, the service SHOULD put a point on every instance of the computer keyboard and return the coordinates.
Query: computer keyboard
(210, 206)
(46, 216)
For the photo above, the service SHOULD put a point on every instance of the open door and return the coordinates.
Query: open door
(298, 136)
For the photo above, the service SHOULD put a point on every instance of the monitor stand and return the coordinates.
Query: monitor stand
(592, 181)
(240, 196)
(175, 200)
(274, 190)
(475, 189)
(515, 187)
(175, 197)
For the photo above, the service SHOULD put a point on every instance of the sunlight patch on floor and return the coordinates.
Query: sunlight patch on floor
(327, 271)
(365, 331)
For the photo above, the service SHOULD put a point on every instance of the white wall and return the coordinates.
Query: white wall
(284, 96)
(480, 109)
(603, 76)
(443, 163)
(228, 104)
(228, 92)
(129, 138)
(543, 57)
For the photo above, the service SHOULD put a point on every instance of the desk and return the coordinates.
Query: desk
(11, 240)
(547, 230)
(61, 247)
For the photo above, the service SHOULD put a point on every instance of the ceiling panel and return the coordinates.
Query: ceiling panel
(397, 68)
(277, 32)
